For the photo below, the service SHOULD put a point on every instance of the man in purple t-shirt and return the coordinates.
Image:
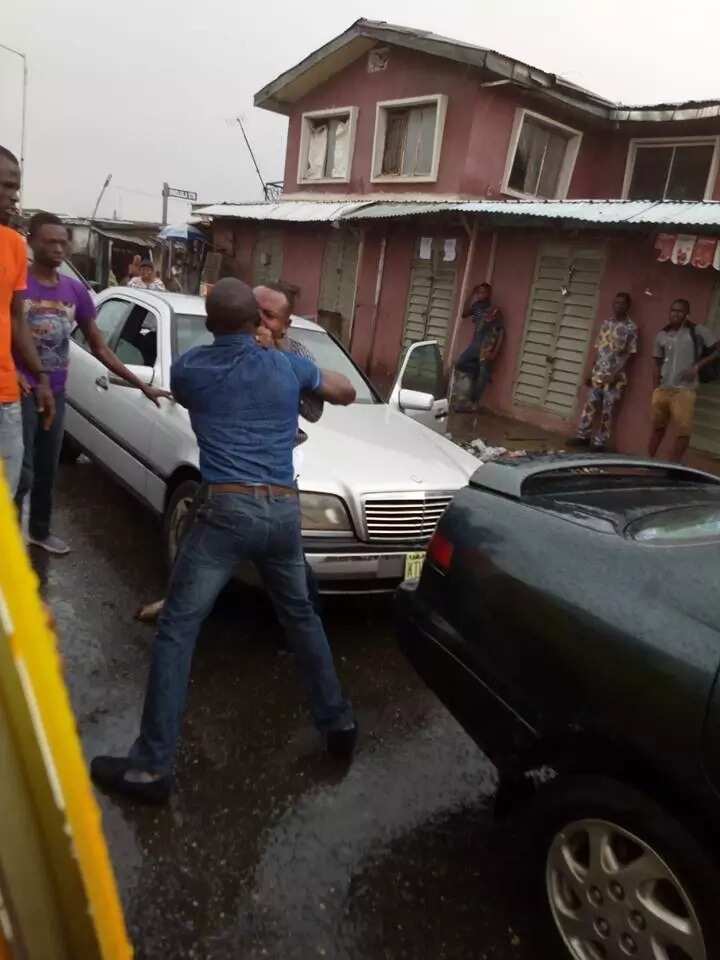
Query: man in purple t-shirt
(53, 305)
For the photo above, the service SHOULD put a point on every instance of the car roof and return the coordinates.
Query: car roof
(192, 305)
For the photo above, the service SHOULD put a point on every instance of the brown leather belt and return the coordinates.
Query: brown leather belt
(264, 489)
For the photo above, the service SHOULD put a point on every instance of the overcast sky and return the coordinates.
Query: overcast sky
(147, 91)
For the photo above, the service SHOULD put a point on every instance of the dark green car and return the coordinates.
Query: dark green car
(568, 615)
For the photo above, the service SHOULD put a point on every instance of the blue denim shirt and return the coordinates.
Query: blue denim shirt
(243, 405)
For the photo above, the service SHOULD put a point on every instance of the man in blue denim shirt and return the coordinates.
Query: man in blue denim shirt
(243, 403)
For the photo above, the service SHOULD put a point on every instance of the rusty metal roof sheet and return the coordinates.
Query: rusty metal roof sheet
(705, 214)
(285, 90)
(284, 211)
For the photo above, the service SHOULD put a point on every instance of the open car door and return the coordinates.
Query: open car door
(419, 390)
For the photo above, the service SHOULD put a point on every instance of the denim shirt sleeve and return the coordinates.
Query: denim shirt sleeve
(178, 382)
(306, 371)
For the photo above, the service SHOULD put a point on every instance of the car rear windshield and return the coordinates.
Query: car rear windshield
(190, 331)
(682, 525)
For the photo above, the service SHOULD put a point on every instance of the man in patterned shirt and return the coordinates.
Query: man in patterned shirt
(147, 279)
(617, 341)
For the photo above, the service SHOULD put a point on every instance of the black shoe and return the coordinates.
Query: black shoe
(577, 442)
(109, 773)
(598, 448)
(341, 743)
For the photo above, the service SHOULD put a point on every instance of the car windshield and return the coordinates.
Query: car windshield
(189, 331)
(677, 526)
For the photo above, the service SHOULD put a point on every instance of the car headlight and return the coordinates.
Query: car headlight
(324, 514)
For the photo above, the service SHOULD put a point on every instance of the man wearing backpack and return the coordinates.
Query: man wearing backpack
(684, 353)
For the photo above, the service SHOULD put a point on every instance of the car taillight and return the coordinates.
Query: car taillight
(440, 552)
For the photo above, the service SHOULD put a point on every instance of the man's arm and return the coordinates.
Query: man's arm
(104, 354)
(658, 361)
(24, 346)
(469, 303)
(657, 371)
(335, 388)
(498, 345)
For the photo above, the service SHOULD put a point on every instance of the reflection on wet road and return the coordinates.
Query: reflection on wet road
(268, 849)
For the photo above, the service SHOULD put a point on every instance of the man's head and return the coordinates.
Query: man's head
(679, 311)
(9, 184)
(48, 239)
(147, 271)
(231, 308)
(621, 305)
(275, 303)
(484, 292)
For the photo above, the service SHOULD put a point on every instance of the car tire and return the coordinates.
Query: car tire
(177, 517)
(615, 902)
(70, 451)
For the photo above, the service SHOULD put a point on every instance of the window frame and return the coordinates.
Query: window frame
(650, 142)
(568, 165)
(382, 108)
(306, 121)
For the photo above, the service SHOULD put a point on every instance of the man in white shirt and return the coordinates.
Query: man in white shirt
(147, 279)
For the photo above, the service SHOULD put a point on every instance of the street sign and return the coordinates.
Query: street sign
(182, 194)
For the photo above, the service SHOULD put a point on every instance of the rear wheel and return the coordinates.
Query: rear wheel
(177, 517)
(623, 878)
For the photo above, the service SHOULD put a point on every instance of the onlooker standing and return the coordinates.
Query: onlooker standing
(616, 343)
(14, 333)
(478, 359)
(678, 360)
(52, 304)
(147, 279)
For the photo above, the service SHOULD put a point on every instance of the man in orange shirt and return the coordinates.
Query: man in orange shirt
(15, 335)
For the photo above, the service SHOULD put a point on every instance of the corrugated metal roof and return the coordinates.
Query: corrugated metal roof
(285, 211)
(338, 53)
(699, 213)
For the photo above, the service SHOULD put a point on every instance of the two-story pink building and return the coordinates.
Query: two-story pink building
(417, 166)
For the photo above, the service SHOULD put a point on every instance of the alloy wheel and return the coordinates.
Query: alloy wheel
(613, 897)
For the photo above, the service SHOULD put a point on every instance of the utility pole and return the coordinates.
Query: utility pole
(165, 195)
(23, 122)
(108, 178)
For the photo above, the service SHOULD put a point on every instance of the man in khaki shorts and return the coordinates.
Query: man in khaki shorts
(678, 360)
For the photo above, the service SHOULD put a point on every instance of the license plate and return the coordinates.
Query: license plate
(414, 564)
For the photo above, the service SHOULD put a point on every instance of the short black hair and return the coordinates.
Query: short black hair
(625, 295)
(8, 155)
(147, 263)
(486, 284)
(684, 302)
(42, 219)
(231, 308)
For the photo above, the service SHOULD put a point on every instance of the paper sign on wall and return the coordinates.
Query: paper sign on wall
(425, 248)
(449, 249)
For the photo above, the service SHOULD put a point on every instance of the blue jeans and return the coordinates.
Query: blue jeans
(40, 464)
(478, 370)
(11, 443)
(230, 528)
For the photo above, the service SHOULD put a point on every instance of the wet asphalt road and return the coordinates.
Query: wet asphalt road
(268, 849)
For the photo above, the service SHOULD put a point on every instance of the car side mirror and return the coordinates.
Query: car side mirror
(415, 400)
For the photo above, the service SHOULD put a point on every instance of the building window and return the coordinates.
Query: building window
(541, 158)
(408, 139)
(671, 169)
(327, 142)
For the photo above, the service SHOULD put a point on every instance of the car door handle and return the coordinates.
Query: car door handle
(102, 382)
